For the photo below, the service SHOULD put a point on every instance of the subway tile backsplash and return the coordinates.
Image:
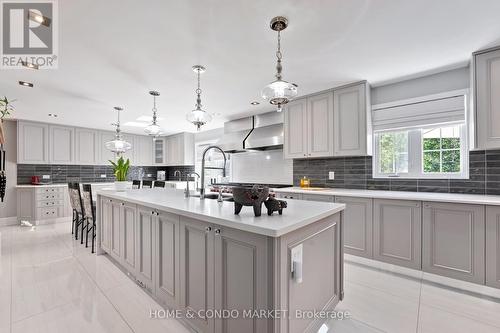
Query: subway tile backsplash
(91, 173)
(356, 173)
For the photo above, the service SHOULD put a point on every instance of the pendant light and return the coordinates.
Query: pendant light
(153, 129)
(279, 92)
(118, 145)
(198, 117)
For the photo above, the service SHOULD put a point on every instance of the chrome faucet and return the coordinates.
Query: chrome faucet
(202, 188)
(197, 185)
(179, 173)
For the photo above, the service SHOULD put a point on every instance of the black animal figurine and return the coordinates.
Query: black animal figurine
(249, 196)
(274, 205)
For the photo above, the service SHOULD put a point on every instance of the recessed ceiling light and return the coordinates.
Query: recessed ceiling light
(26, 84)
(216, 114)
(254, 103)
(36, 17)
(29, 64)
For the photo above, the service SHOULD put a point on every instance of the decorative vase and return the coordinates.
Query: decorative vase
(121, 186)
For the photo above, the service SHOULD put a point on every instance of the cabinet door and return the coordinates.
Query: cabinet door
(320, 125)
(106, 225)
(129, 230)
(159, 151)
(62, 144)
(487, 83)
(241, 271)
(295, 129)
(32, 143)
(349, 119)
(26, 204)
(493, 246)
(144, 150)
(358, 227)
(397, 232)
(285, 195)
(104, 154)
(197, 271)
(318, 197)
(86, 146)
(144, 246)
(453, 240)
(116, 230)
(167, 286)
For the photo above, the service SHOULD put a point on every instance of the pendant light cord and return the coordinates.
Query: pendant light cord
(154, 110)
(198, 93)
(279, 56)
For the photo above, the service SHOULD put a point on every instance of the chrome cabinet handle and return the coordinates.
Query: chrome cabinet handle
(208, 229)
(217, 232)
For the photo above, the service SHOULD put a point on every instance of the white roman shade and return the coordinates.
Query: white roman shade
(425, 111)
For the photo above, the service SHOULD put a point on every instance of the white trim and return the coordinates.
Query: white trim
(420, 99)
(5, 221)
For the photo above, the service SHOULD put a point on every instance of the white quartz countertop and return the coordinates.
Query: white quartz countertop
(64, 185)
(402, 195)
(298, 214)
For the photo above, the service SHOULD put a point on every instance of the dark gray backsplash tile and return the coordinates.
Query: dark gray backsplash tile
(356, 173)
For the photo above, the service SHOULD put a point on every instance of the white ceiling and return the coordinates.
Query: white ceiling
(113, 52)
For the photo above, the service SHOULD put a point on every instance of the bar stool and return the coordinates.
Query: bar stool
(89, 214)
(147, 184)
(159, 183)
(77, 205)
(136, 184)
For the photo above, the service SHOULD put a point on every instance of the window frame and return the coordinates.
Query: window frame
(415, 155)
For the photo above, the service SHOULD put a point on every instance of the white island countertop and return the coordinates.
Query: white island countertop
(297, 215)
(479, 199)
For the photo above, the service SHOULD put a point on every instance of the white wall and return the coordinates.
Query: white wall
(266, 167)
(8, 208)
(427, 85)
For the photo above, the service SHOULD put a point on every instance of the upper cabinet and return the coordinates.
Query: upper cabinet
(351, 120)
(143, 150)
(32, 143)
(159, 151)
(61, 144)
(486, 82)
(179, 149)
(335, 123)
(86, 146)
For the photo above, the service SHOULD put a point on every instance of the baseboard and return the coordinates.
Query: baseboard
(5, 221)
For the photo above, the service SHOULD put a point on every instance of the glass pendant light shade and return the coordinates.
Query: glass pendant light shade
(198, 117)
(153, 129)
(118, 145)
(279, 92)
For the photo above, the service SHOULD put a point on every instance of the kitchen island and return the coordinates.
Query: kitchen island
(226, 272)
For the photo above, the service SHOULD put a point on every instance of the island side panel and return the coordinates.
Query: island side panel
(98, 232)
(322, 286)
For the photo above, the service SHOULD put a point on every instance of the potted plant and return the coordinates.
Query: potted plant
(120, 169)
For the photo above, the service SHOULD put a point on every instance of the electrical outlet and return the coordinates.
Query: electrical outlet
(45, 176)
(331, 175)
(103, 175)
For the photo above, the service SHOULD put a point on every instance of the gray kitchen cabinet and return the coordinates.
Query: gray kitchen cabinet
(32, 143)
(144, 247)
(454, 240)
(351, 119)
(286, 195)
(116, 230)
(179, 149)
(320, 125)
(197, 271)
(486, 83)
(144, 150)
(241, 270)
(128, 230)
(167, 275)
(159, 154)
(104, 154)
(318, 197)
(397, 232)
(86, 146)
(61, 144)
(358, 230)
(493, 246)
(105, 219)
(295, 129)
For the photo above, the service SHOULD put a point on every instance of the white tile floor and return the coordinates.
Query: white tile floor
(50, 283)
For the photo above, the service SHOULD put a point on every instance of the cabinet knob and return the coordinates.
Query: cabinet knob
(152, 213)
(217, 232)
(208, 229)
(157, 214)
(123, 204)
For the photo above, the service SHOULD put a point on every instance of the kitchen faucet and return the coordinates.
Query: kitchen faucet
(202, 189)
(197, 185)
(179, 173)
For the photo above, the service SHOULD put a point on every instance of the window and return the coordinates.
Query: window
(428, 152)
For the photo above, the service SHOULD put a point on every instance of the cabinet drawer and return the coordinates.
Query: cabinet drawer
(50, 196)
(49, 203)
(48, 213)
(45, 190)
(282, 195)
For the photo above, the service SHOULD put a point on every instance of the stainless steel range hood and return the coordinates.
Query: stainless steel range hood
(267, 132)
(235, 133)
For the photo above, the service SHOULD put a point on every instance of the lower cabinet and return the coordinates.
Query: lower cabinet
(318, 197)
(105, 219)
(454, 240)
(493, 246)
(116, 230)
(128, 229)
(397, 233)
(144, 246)
(359, 225)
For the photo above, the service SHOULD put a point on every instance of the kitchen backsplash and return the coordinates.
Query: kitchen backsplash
(91, 173)
(356, 173)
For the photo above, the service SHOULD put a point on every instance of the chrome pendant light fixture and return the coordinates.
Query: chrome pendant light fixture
(198, 117)
(279, 92)
(153, 129)
(118, 145)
